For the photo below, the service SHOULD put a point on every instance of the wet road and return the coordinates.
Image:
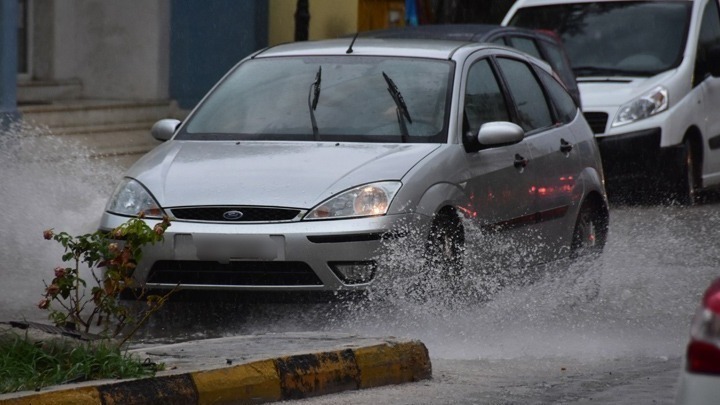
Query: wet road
(608, 331)
(601, 331)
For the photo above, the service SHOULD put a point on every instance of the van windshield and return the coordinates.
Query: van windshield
(615, 38)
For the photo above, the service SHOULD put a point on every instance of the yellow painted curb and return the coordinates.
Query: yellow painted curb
(289, 377)
(393, 364)
(76, 396)
(246, 382)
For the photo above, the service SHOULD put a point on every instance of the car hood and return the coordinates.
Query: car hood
(613, 91)
(281, 174)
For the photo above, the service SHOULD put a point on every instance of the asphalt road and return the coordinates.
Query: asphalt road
(611, 330)
(608, 331)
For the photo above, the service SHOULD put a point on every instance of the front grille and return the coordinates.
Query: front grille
(597, 121)
(233, 273)
(249, 214)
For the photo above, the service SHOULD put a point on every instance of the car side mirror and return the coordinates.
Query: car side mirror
(164, 129)
(713, 60)
(499, 133)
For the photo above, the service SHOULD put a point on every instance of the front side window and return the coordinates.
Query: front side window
(532, 107)
(615, 38)
(348, 97)
(484, 101)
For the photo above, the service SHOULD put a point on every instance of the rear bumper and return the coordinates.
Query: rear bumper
(698, 389)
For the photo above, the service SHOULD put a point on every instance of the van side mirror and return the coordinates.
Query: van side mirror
(164, 129)
(499, 133)
(713, 60)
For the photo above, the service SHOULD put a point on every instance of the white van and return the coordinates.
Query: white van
(648, 78)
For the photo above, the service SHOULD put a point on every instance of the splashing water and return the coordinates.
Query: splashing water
(46, 182)
(637, 298)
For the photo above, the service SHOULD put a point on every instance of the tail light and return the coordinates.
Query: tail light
(703, 352)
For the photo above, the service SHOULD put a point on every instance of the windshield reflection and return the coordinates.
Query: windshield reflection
(616, 38)
(268, 99)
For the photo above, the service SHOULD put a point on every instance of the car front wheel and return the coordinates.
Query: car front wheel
(445, 245)
(686, 187)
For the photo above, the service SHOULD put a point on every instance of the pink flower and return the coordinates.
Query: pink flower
(53, 290)
(48, 234)
(44, 303)
(59, 272)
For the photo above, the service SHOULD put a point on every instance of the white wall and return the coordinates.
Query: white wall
(117, 49)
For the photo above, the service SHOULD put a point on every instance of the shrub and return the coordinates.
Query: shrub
(111, 258)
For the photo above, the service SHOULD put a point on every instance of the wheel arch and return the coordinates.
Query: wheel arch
(441, 196)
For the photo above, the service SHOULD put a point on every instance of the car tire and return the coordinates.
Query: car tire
(590, 232)
(686, 187)
(445, 245)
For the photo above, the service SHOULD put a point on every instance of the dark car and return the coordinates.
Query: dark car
(541, 44)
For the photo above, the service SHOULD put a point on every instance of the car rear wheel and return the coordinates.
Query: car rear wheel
(590, 233)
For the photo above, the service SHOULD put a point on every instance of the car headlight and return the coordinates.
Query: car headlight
(646, 106)
(363, 201)
(131, 198)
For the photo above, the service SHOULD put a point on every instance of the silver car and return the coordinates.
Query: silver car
(306, 158)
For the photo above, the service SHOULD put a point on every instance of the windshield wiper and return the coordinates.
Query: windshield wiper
(607, 71)
(402, 110)
(313, 97)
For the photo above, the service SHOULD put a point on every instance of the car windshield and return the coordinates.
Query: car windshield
(615, 38)
(339, 98)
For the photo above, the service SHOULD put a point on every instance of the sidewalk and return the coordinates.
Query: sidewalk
(252, 369)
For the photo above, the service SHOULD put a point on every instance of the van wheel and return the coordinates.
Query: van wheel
(445, 245)
(590, 233)
(686, 188)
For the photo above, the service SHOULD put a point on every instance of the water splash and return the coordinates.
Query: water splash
(46, 181)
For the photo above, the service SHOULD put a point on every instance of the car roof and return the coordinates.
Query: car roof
(458, 32)
(369, 46)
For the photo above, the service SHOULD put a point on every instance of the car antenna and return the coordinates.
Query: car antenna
(350, 50)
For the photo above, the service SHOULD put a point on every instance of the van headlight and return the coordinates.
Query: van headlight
(654, 102)
(363, 201)
(132, 199)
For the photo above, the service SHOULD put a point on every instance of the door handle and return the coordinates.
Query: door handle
(520, 161)
(565, 146)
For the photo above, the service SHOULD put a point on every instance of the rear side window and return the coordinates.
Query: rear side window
(533, 110)
(526, 45)
(564, 104)
(556, 59)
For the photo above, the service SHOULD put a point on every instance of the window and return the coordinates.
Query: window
(484, 101)
(23, 37)
(533, 110)
(526, 45)
(564, 104)
(709, 36)
(267, 99)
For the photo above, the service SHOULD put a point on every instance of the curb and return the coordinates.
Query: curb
(282, 378)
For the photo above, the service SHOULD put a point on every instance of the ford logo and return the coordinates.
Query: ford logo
(232, 215)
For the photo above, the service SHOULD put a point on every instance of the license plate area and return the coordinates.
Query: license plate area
(226, 248)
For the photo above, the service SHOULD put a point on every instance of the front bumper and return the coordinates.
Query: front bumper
(288, 256)
(636, 155)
